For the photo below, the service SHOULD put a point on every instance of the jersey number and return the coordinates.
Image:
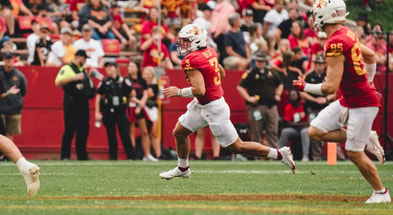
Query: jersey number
(357, 57)
(217, 77)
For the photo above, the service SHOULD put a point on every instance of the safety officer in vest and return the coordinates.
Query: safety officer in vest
(262, 89)
(111, 101)
(78, 89)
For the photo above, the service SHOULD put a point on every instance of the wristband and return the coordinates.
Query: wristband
(370, 69)
(178, 92)
(186, 92)
(314, 89)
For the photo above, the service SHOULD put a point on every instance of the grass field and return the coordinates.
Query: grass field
(215, 187)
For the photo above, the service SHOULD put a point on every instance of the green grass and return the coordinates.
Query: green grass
(382, 12)
(124, 187)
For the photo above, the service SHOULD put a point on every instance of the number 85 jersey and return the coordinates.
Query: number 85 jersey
(355, 88)
(206, 62)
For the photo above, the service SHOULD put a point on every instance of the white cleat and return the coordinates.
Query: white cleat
(32, 179)
(176, 172)
(379, 198)
(287, 158)
(375, 148)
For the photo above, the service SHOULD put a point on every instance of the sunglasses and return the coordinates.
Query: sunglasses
(44, 31)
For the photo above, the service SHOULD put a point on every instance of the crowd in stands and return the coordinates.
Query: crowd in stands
(55, 30)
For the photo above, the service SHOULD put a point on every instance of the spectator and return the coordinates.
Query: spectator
(172, 10)
(235, 46)
(255, 38)
(362, 21)
(152, 20)
(93, 48)
(37, 7)
(358, 30)
(220, 25)
(297, 38)
(121, 29)
(9, 46)
(298, 64)
(376, 42)
(295, 124)
(19, 8)
(111, 101)
(274, 17)
(151, 108)
(283, 46)
(262, 89)
(145, 5)
(316, 49)
(98, 17)
(78, 90)
(154, 51)
(308, 30)
(32, 39)
(14, 84)
(136, 114)
(283, 30)
(62, 51)
(260, 8)
(42, 47)
(175, 58)
(59, 13)
(3, 30)
(302, 17)
(9, 17)
(205, 21)
(75, 5)
(247, 21)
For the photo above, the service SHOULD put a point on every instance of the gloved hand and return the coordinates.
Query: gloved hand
(299, 84)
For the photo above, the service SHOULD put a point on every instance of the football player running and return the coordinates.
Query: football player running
(208, 107)
(350, 68)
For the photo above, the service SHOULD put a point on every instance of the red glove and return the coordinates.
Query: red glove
(299, 84)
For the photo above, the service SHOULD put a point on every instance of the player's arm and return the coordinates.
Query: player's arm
(197, 86)
(370, 63)
(335, 69)
(222, 71)
(334, 73)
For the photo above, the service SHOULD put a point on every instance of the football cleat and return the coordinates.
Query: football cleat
(176, 172)
(379, 198)
(287, 158)
(32, 179)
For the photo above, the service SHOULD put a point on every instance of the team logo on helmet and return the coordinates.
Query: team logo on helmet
(195, 30)
(320, 3)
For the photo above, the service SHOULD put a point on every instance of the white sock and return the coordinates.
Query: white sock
(380, 191)
(272, 153)
(182, 162)
(22, 164)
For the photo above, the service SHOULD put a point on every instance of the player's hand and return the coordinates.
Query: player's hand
(170, 92)
(299, 84)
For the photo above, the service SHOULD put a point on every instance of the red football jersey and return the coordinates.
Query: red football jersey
(354, 86)
(206, 62)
